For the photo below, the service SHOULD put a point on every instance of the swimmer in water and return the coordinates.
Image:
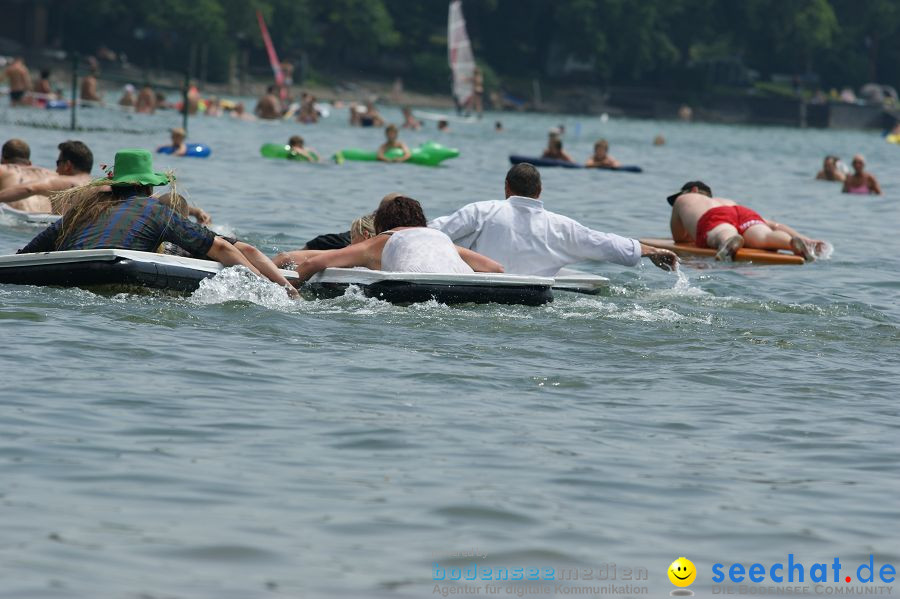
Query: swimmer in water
(179, 148)
(297, 147)
(860, 181)
(392, 142)
(601, 157)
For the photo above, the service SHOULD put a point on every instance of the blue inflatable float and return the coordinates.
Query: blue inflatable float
(565, 164)
(194, 150)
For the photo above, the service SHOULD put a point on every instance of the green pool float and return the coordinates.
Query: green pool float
(282, 151)
(428, 154)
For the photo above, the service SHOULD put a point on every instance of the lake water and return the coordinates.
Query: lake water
(239, 444)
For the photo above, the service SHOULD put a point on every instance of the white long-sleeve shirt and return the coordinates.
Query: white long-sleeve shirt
(528, 240)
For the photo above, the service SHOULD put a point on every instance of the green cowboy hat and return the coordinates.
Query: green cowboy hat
(135, 167)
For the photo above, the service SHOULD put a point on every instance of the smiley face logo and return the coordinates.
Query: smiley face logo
(682, 572)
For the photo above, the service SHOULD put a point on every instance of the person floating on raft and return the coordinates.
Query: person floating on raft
(403, 243)
(601, 157)
(392, 142)
(297, 147)
(725, 225)
(178, 147)
(119, 212)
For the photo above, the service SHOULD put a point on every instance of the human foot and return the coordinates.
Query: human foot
(729, 247)
(801, 248)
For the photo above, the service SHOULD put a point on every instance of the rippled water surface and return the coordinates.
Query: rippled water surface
(237, 444)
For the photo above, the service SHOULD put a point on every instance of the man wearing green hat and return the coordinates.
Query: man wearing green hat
(118, 212)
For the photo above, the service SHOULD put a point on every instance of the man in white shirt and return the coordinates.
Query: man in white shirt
(529, 240)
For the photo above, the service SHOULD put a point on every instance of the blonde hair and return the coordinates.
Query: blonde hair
(364, 226)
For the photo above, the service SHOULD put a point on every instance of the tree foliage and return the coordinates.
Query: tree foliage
(846, 42)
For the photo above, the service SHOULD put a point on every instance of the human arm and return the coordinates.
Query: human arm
(366, 253)
(45, 241)
(25, 190)
(200, 215)
(265, 266)
(181, 150)
(478, 262)
(874, 187)
(295, 257)
(460, 224)
(227, 255)
(846, 187)
(380, 154)
(680, 234)
(406, 153)
(565, 156)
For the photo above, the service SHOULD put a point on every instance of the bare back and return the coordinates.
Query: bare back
(688, 209)
(18, 174)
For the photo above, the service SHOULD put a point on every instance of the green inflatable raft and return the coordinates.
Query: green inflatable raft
(283, 152)
(428, 154)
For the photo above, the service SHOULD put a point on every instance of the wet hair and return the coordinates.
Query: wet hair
(16, 151)
(700, 185)
(390, 128)
(398, 211)
(295, 140)
(524, 180)
(601, 143)
(179, 132)
(78, 154)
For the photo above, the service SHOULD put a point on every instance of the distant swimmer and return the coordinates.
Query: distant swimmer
(403, 243)
(19, 81)
(16, 169)
(659, 140)
(555, 151)
(269, 106)
(127, 100)
(860, 181)
(601, 157)
(371, 117)
(43, 88)
(178, 145)
(307, 113)
(530, 240)
(73, 169)
(443, 126)
(118, 212)
(722, 224)
(360, 229)
(392, 142)
(409, 121)
(498, 127)
(830, 170)
(89, 91)
(146, 100)
(240, 113)
(297, 147)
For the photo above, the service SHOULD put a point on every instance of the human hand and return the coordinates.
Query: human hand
(664, 259)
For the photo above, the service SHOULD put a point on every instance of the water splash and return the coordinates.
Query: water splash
(238, 283)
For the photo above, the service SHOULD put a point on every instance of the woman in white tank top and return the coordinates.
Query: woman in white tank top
(403, 244)
(421, 249)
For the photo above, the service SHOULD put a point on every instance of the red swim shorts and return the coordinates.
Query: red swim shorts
(739, 217)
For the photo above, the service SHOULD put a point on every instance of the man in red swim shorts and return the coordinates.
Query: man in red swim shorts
(727, 226)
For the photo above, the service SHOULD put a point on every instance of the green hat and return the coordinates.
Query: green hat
(135, 167)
